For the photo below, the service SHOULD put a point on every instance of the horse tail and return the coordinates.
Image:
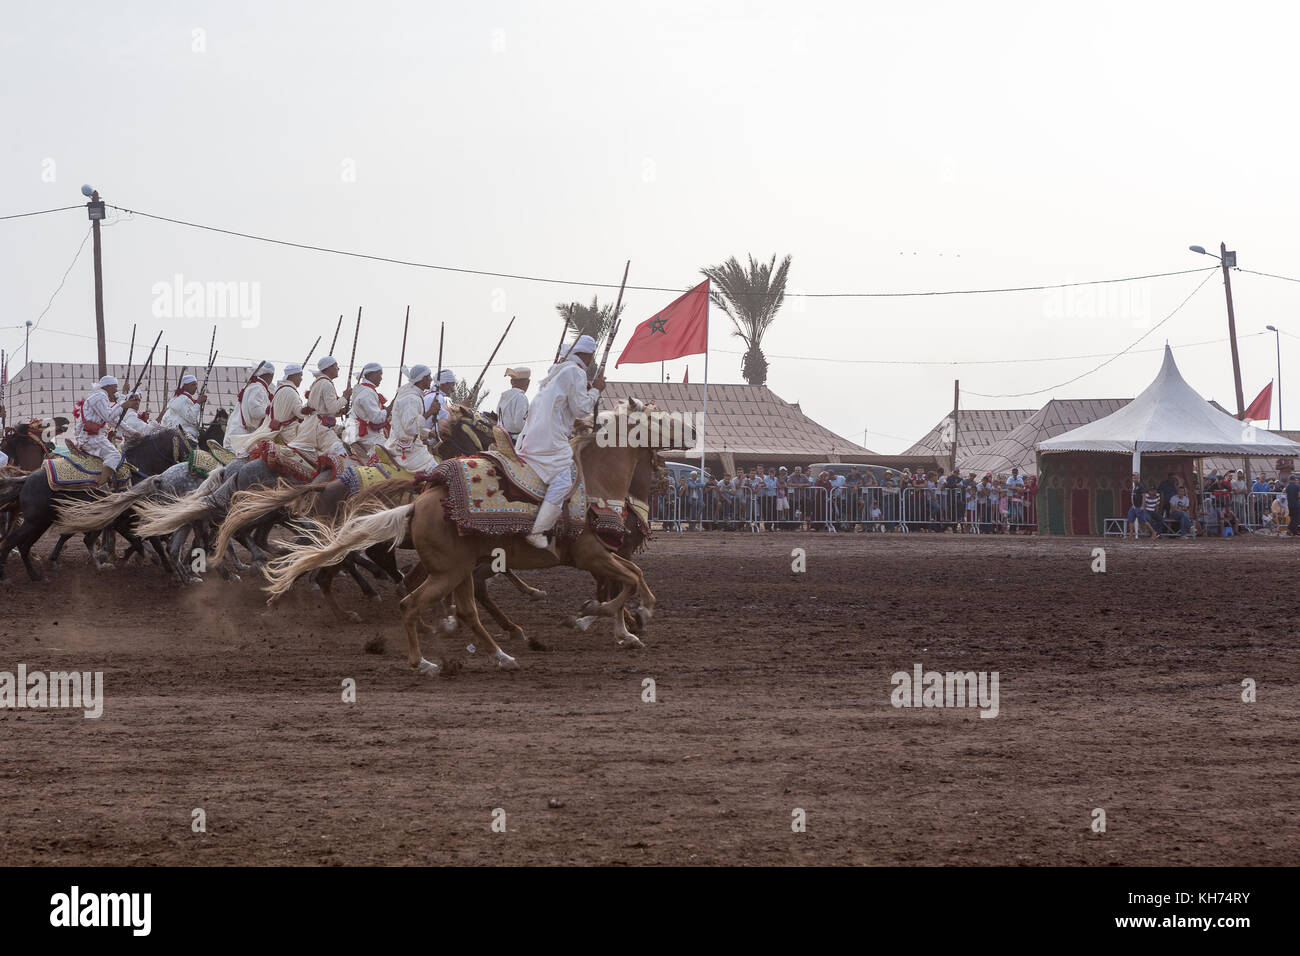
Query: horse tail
(364, 500)
(326, 546)
(247, 506)
(210, 484)
(162, 516)
(82, 517)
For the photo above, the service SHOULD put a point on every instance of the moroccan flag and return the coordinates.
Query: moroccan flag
(1259, 408)
(681, 329)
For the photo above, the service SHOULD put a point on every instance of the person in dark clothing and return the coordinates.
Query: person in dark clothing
(1292, 503)
(1167, 489)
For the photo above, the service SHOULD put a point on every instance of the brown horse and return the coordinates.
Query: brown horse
(448, 558)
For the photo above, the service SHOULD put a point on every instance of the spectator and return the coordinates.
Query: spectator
(1228, 521)
(1293, 504)
(1239, 487)
(1015, 501)
(1151, 506)
(1136, 509)
(1167, 488)
(783, 510)
(1179, 514)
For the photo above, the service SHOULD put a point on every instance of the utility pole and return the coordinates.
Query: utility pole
(956, 396)
(1230, 259)
(95, 212)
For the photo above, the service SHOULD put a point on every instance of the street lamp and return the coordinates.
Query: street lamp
(1277, 338)
(95, 213)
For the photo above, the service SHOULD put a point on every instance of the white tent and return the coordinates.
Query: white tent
(1170, 418)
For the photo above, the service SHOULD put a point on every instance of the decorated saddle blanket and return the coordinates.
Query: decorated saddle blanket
(484, 498)
(203, 462)
(359, 477)
(74, 468)
(285, 461)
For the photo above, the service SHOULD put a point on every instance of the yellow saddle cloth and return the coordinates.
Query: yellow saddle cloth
(72, 468)
(490, 494)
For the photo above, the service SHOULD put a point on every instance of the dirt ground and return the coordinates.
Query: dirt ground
(1118, 690)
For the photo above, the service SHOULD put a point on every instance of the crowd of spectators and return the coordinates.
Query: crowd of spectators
(864, 499)
(1229, 505)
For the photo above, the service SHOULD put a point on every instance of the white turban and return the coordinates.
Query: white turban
(418, 372)
(293, 368)
(106, 381)
(519, 373)
(585, 344)
(446, 377)
(323, 363)
(371, 367)
(264, 369)
(185, 380)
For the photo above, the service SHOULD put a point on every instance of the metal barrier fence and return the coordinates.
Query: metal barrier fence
(868, 509)
(1253, 511)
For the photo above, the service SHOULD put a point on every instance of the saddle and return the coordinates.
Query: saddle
(285, 461)
(203, 462)
(493, 495)
(73, 468)
(356, 478)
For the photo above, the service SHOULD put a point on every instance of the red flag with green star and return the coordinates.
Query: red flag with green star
(680, 329)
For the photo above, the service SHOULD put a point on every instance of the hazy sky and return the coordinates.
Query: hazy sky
(887, 147)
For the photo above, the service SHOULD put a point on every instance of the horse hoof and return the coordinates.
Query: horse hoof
(538, 595)
(588, 607)
(505, 661)
(447, 625)
(375, 596)
(427, 668)
(583, 623)
(631, 641)
(536, 645)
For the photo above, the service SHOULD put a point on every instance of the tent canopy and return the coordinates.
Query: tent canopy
(1169, 417)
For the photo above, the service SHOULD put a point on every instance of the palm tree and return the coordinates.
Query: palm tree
(595, 320)
(750, 298)
(461, 395)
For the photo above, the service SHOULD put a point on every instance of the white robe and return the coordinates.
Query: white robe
(183, 412)
(248, 414)
(313, 434)
(512, 410)
(366, 408)
(99, 410)
(134, 426)
(562, 399)
(408, 431)
(282, 419)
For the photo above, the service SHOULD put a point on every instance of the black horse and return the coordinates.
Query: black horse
(37, 500)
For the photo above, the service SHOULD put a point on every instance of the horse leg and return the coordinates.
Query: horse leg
(467, 612)
(431, 590)
(535, 594)
(324, 580)
(351, 565)
(58, 548)
(599, 561)
(28, 533)
(482, 575)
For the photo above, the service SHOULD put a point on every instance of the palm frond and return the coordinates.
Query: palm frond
(750, 297)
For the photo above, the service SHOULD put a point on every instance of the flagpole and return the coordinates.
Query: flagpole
(705, 414)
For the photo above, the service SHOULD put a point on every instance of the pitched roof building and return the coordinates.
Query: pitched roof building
(977, 429)
(1016, 448)
(746, 425)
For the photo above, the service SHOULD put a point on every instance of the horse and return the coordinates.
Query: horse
(37, 500)
(448, 558)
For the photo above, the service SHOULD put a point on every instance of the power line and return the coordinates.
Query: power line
(639, 288)
(66, 272)
(40, 212)
(1097, 368)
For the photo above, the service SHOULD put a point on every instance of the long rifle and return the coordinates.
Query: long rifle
(352, 361)
(130, 356)
(204, 387)
(442, 330)
(335, 341)
(311, 352)
(559, 345)
(474, 391)
(147, 363)
(401, 362)
(609, 339)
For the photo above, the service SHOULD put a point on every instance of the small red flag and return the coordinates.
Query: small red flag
(681, 329)
(686, 379)
(1259, 408)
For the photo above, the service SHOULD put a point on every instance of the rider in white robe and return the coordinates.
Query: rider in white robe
(133, 424)
(409, 428)
(99, 414)
(368, 408)
(282, 417)
(185, 410)
(562, 398)
(317, 433)
(512, 409)
(251, 407)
